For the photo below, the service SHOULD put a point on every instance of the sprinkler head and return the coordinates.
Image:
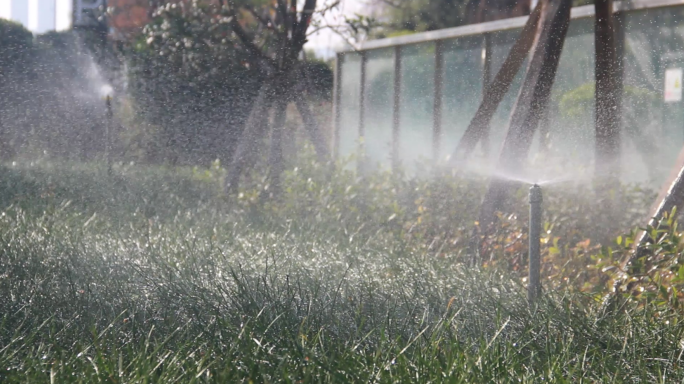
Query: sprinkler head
(534, 275)
(535, 194)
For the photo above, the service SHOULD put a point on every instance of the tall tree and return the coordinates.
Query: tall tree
(16, 53)
(189, 77)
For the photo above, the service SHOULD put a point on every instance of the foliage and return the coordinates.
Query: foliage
(320, 77)
(579, 102)
(15, 44)
(408, 16)
(50, 100)
(195, 72)
(426, 15)
(189, 76)
(639, 116)
(185, 97)
(16, 50)
(152, 276)
(656, 276)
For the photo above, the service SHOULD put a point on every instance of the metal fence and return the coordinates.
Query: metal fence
(402, 99)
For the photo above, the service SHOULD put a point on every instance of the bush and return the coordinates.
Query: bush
(188, 77)
(16, 50)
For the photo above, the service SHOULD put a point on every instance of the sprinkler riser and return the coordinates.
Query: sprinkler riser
(534, 280)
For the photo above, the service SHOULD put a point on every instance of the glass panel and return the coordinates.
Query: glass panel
(501, 45)
(350, 92)
(653, 129)
(567, 132)
(379, 106)
(417, 103)
(461, 88)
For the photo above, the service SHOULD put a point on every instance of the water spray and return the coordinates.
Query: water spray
(534, 280)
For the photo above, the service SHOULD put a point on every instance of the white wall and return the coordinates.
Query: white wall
(5, 9)
(63, 14)
(16, 10)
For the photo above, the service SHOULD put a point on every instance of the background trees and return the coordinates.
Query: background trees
(183, 86)
(50, 94)
(189, 78)
(404, 16)
(274, 41)
(426, 15)
(16, 49)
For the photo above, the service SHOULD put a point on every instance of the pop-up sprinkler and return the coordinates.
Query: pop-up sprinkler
(534, 283)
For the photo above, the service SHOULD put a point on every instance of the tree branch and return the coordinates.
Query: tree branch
(268, 23)
(329, 7)
(353, 44)
(313, 31)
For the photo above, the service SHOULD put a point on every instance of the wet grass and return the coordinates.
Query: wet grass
(149, 277)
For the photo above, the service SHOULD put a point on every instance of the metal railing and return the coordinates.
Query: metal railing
(483, 29)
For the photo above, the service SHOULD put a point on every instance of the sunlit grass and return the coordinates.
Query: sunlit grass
(153, 277)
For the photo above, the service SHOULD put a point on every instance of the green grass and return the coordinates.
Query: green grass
(152, 276)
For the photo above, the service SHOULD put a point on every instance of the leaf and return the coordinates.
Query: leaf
(584, 244)
(663, 291)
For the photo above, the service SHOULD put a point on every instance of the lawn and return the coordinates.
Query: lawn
(152, 275)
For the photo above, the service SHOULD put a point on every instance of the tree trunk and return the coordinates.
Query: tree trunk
(256, 126)
(290, 37)
(280, 90)
(312, 128)
(530, 105)
(606, 162)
